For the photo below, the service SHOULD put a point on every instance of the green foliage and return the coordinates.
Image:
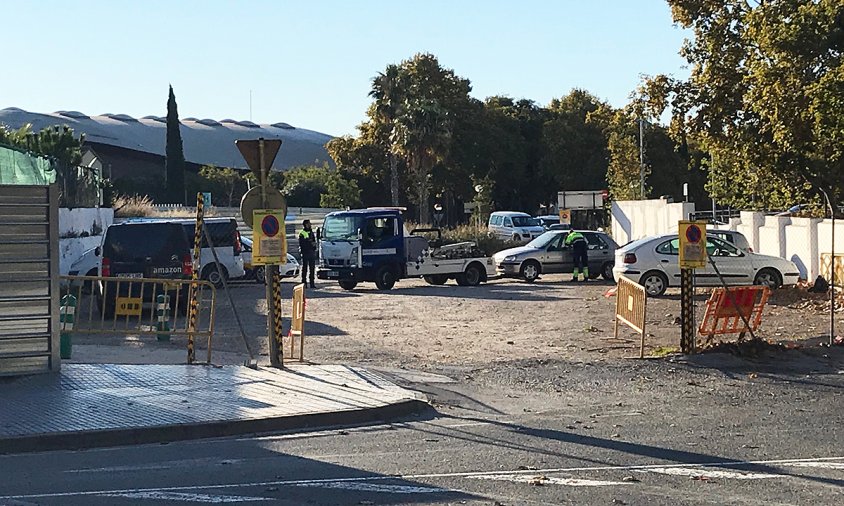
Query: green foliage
(227, 186)
(174, 168)
(486, 241)
(311, 186)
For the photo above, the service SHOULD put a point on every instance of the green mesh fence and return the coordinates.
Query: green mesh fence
(19, 168)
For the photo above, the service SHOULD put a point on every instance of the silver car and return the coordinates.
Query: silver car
(548, 253)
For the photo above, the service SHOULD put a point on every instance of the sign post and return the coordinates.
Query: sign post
(692, 256)
(565, 217)
(268, 225)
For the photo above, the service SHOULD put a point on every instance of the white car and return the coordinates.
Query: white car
(86, 265)
(256, 272)
(653, 262)
(511, 225)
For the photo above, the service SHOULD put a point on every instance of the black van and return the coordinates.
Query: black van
(143, 249)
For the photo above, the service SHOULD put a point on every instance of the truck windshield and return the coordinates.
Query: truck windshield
(341, 228)
(525, 221)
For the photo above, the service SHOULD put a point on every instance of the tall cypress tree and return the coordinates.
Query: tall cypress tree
(174, 168)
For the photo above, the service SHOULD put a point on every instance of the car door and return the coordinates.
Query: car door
(667, 256)
(732, 264)
(567, 264)
(507, 229)
(553, 256)
(599, 252)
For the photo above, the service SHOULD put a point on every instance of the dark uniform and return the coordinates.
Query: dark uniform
(579, 247)
(308, 251)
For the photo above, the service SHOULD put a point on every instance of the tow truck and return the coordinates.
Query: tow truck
(373, 245)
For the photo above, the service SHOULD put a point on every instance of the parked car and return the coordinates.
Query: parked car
(518, 227)
(86, 265)
(547, 221)
(654, 263)
(548, 253)
(142, 249)
(226, 239)
(256, 272)
(733, 237)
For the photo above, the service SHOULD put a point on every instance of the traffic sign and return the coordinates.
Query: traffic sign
(269, 245)
(565, 216)
(251, 152)
(252, 201)
(692, 244)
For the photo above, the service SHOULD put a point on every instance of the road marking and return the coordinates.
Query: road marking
(820, 465)
(546, 480)
(281, 483)
(157, 467)
(710, 473)
(177, 496)
(376, 487)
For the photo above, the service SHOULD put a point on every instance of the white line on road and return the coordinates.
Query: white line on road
(546, 480)
(820, 465)
(710, 473)
(177, 496)
(719, 464)
(376, 487)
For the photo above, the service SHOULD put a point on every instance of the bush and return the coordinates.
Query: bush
(487, 242)
(133, 206)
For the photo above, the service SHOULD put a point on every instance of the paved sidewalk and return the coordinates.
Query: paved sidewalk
(107, 404)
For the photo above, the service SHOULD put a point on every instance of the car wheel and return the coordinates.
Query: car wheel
(214, 276)
(768, 277)
(436, 279)
(655, 283)
(606, 271)
(472, 276)
(530, 271)
(517, 238)
(260, 276)
(385, 278)
(348, 285)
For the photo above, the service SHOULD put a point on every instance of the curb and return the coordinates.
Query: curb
(181, 432)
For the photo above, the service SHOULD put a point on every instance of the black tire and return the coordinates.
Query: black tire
(260, 277)
(348, 285)
(517, 238)
(436, 279)
(385, 278)
(768, 277)
(211, 274)
(472, 276)
(530, 271)
(655, 283)
(606, 271)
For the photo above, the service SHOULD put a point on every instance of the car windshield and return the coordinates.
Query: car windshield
(341, 228)
(543, 240)
(524, 221)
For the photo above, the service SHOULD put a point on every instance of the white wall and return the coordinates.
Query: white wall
(635, 219)
(76, 232)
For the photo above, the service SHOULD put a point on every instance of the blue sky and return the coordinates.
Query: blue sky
(309, 63)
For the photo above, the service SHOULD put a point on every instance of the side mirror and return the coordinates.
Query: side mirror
(98, 251)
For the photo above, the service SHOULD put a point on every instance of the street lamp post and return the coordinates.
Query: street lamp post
(831, 272)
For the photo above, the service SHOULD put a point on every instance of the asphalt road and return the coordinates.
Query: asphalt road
(714, 431)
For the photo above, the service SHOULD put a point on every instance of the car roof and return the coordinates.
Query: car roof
(366, 212)
(511, 213)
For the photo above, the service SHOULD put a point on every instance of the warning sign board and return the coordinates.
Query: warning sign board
(565, 216)
(692, 244)
(128, 306)
(270, 241)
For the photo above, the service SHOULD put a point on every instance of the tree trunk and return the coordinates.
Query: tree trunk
(394, 179)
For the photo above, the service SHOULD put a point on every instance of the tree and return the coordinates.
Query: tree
(311, 186)
(174, 168)
(387, 92)
(224, 181)
(764, 97)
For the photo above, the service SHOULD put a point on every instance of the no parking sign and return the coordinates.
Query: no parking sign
(270, 241)
(692, 244)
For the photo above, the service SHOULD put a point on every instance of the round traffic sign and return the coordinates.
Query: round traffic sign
(270, 226)
(693, 234)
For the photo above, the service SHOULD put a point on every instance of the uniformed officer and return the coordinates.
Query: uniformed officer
(579, 248)
(308, 251)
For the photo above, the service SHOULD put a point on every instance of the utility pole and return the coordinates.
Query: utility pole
(831, 273)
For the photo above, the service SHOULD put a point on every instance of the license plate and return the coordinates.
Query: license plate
(333, 274)
(135, 275)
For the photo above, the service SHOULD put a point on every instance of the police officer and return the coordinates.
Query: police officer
(308, 251)
(579, 248)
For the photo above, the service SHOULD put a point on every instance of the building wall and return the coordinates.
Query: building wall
(635, 219)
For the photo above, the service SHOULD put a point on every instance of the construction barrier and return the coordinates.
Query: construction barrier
(192, 298)
(826, 265)
(67, 315)
(142, 306)
(734, 310)
(297, 323)
(630, 308)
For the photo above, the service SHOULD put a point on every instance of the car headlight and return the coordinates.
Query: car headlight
(509, 258)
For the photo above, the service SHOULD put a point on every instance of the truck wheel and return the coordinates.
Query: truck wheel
(385, 278)
(348, 285)
(530, 271)
(436, 279)
(472, 276)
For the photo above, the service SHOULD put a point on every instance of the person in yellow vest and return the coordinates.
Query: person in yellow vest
(308, 251)
(579, 247)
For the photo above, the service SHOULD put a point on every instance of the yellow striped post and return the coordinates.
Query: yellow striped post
(277, 320)
(193, 312)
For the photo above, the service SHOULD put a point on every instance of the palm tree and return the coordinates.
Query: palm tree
(423, 137)
(388, 93)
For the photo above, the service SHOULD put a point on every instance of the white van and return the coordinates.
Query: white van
(514, 226)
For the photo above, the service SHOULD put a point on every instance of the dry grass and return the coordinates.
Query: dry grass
(133, 206)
